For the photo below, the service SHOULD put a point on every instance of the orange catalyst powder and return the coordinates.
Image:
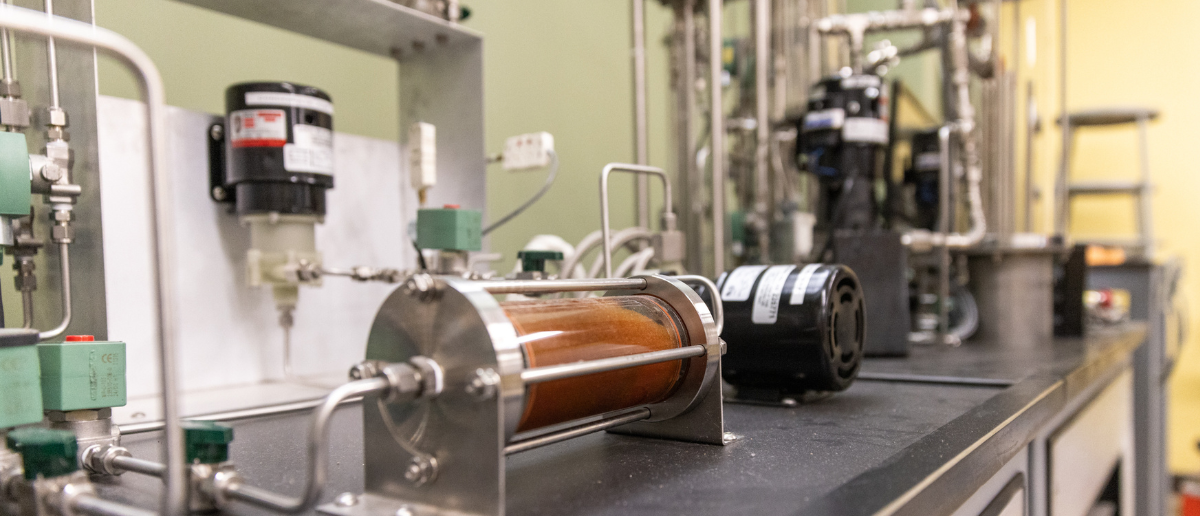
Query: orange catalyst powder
(562, 331)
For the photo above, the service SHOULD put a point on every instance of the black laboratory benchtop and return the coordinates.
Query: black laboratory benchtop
(919, 433)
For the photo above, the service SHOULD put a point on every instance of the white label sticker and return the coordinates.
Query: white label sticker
(860, 81)
(311, 150)
(826, 119)
(276, 98)
(257, 128)
(801, 285)
(862, 129)
(740, 282)
(770, 289)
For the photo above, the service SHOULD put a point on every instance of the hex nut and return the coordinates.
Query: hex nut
(422, 470)
(421, 286)
(14, 112)
(482, 384)
(52, 172)
(55, 116)
(58, 133)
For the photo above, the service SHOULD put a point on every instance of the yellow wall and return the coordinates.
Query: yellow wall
(1130, 54)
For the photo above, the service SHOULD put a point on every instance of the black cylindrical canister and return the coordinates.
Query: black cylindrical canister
(279, 148)
(791, 329)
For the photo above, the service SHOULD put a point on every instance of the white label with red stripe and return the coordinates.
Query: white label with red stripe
(257, 128)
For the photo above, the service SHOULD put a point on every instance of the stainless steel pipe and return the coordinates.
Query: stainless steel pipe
(717, 120)
(641, 128)
(95, 506)
(573, 285)
(563, 371)
(150, 83)
(144, 467)
(584, 429)
(318, 455)
(668, 204)
(64, 271)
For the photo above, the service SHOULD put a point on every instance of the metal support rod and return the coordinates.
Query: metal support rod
(1031, 129)
(572, 285)
(641, 128)
(6, 52)
(943, 259)
(559, 372)
(27, 308)
(1145, 222)
(694, 180)
(144, 467)
(150, 83)
(584, 429)
(94, 506)
(64, 267)
(762, 149)
(668, 204)
(318, 455)
(717, 120)
(718, 307)
(52, 59)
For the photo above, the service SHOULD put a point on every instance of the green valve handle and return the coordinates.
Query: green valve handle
(207, 442)
(535, 261)
(45, 452)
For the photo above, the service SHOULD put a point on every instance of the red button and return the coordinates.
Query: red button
(80, 338)
(451, 206)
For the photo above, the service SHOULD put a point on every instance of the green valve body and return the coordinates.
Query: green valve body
(206, 442)
(535, 261)
(14, 175)
(82, 375)
(452, 229)
(45, 452)
(20, 387)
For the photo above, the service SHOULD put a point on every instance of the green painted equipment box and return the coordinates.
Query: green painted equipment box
(20, 389)
(450, 228)
(14, 175)
(82, 374)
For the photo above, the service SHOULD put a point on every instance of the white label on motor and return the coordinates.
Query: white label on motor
(770, 289)
(311, 150)
(825, 119)
(862, 129)
(854, 82)
(801, 285)
(740, 282)
(257, 128)
(277, 98)
(928, 161)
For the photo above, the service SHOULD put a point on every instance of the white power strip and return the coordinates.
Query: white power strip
(528, 151)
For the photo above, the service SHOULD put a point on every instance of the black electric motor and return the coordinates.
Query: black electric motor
(791, 329)
(842, 136)
(277, 149)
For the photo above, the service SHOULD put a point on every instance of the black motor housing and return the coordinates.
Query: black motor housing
(841, 141)
(278, 148)
(782, 340)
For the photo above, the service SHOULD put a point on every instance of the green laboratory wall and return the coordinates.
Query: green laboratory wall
(554, 66)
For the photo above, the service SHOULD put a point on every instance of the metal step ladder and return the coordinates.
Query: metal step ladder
(1067, 190)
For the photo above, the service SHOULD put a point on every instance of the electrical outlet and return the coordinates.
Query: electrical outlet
(528, 151)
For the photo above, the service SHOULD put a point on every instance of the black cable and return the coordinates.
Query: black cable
(420, 255)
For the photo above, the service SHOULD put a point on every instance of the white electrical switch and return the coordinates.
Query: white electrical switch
(528, 151)
(422, 155)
